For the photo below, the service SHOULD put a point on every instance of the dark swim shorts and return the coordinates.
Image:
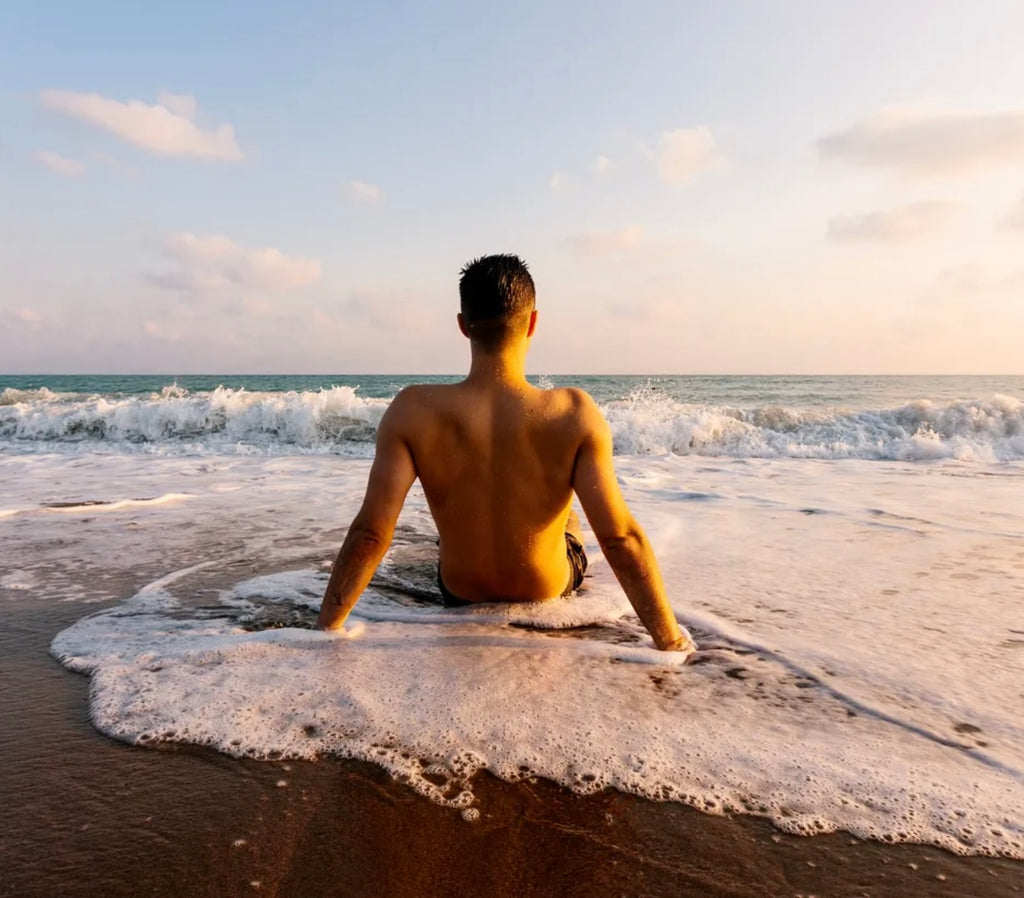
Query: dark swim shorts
(577, 568)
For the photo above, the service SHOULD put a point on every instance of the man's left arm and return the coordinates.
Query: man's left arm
(391, 475)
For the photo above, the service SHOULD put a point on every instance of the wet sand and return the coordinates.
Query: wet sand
(87, 816)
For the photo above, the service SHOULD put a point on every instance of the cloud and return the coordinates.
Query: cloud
(906, 223)
(605, 243)
(61, 165)
(367, 193)
(925, 141)
(184, 105)
(166, 129)
(600, 165)
(1014, 220)
(216, 262)
(557, 181)
(683, 154)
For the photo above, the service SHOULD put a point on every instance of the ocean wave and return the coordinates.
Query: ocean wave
(175, 420)
(647, 422)
(12, 396)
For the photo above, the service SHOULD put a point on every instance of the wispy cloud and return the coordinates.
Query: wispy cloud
(365, 192)
(684, 153)
(166, 128)
(184, 105)
(58, 164)
(216, 262)
(914, 221)
(679, 156)
(925, 141)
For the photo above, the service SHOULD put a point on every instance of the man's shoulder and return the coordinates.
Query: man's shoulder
(575, 405)
(572, 399)
(404, 403)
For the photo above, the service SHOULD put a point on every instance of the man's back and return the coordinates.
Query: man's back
(499, 461)
(496, 464)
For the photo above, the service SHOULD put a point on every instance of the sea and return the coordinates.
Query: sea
(848, 553)
(899, 418)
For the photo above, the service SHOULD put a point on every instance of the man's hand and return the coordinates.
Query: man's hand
(683, 643)
(354, 631)
(331, 617)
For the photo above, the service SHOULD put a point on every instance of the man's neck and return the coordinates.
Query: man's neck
(505, 368)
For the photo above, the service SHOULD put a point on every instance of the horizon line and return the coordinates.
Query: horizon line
(463, 374)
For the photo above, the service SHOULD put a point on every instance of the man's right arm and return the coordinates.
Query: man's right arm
(622, 539)
(391, 476)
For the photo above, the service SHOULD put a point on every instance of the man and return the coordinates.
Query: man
(499, 461)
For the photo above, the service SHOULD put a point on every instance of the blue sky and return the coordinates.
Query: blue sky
(698, 187)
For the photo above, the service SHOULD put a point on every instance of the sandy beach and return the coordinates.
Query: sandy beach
(87, 816)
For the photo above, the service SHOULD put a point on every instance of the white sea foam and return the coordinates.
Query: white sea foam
(860, 630)
(338, 420)
(12, 396)
(435, 696)
(175, 421)
(650, 423)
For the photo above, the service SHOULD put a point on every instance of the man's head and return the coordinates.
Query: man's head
(497, 299)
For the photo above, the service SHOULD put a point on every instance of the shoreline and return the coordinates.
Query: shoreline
(86, 815)
(90, 816)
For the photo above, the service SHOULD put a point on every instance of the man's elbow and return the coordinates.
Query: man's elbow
(624, 546)
(370, 535)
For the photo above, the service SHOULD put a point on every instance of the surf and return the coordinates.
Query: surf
(338, 420)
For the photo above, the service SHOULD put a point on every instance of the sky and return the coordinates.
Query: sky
(787, 187)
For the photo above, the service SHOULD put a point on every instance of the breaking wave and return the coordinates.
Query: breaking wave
(176, 421)
(970, 430)
(338, 420)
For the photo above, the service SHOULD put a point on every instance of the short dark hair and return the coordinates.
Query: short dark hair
(496, 294)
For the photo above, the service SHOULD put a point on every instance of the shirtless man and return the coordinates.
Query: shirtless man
(499, 461)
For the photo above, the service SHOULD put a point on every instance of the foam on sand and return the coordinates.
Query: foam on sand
(859, 623)
(435, 695)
